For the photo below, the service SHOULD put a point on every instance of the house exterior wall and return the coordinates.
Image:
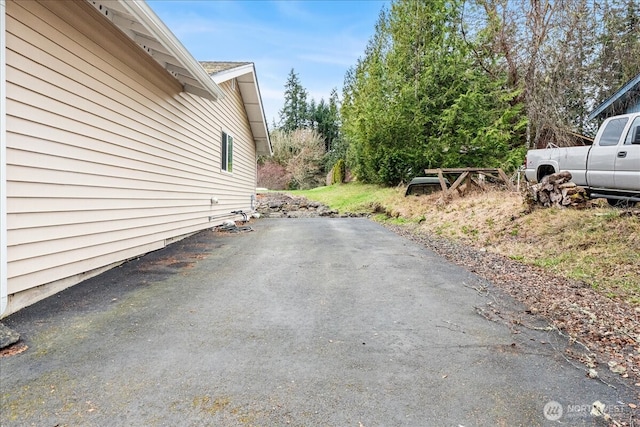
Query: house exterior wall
(106, 158)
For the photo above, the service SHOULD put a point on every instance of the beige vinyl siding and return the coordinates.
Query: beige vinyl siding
(106, 157)
(244, 153)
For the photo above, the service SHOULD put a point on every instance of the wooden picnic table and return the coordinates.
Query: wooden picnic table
(466, 175)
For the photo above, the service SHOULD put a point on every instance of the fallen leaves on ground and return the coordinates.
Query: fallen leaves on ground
(14, 349)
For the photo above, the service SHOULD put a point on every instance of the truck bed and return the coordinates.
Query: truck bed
(572, 159)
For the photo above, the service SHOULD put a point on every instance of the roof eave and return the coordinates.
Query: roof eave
(615, 97)
(232, 73)
(140, 23)
(257, 120)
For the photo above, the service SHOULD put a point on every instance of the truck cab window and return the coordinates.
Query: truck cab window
(613, 131)
(633, 137)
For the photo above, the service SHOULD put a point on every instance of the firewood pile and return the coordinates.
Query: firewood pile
(558, 191)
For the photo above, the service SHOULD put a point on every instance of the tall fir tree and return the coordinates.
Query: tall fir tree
(295, 113)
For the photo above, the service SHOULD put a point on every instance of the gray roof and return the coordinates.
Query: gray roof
(214, 67)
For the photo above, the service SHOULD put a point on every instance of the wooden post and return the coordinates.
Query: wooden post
(468, 181)
(459, 180)
(443, 184)
(506, 180)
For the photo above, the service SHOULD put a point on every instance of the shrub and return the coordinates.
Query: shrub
(273, 176)
(338, 172)
(300, 153)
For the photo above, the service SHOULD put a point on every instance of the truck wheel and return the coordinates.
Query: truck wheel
(544, 171)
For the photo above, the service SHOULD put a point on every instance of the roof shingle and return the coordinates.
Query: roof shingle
(213, 67)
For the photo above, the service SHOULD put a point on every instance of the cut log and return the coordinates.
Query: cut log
(557, 178)
(558, 191)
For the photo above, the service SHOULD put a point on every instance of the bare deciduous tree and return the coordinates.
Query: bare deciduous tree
(566, 57)
(300, 153)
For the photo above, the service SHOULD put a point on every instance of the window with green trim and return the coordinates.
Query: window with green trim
(227, 152)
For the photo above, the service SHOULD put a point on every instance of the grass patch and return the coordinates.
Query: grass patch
(598, 246)
(550, 263)
(353, 197)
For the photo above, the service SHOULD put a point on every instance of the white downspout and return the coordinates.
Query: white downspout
(3, 161)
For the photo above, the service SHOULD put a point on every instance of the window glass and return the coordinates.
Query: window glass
(633, 136)
(226, 150)
(223, 150)
(229, 153)
(612, 133)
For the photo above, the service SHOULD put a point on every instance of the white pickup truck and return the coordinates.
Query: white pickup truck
(609, 168)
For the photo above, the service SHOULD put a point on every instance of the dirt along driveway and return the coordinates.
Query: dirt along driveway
(305, 322)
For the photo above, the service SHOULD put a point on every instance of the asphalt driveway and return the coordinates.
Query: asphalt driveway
(303, 322)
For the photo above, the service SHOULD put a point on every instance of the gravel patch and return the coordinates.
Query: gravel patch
(280, 205)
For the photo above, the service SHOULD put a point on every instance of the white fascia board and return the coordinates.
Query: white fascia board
(259, 121)
(264, 127)
(3, 161)
(226, 75)
(154, 25)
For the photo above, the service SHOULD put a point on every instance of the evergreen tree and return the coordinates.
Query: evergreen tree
(312, 122)
(418, 100)
(326, 122)
(295, 113)
(363, 109)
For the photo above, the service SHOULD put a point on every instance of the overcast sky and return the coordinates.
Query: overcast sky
(319, 39)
